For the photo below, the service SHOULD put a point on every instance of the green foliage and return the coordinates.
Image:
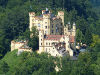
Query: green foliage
(4, 68)
(79, 36)
(88, 36)
(35, 64)
(14, 18)
(34, 39)
(27, 64)
(14, 23)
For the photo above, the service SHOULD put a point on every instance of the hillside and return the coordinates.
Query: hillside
(35, 64)
(14, 24)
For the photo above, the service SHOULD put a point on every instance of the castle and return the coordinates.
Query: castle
(55, 37)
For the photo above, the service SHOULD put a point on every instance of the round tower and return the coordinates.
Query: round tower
(31, 17)
(61, 15)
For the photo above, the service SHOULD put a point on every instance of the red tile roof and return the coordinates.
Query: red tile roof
(58, 37)
(53, 37)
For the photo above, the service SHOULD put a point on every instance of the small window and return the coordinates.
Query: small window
(46, 43)
(41, 39)
(45, 27)
(41, 43)
(52, 31)
(49, 44)
(45, 22)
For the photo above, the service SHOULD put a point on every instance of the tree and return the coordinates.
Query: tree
(34, 39)
(88, 36)
(79, 36)
(4, 68)
(84, 62)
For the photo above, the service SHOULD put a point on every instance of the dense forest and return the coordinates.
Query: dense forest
(14, 23)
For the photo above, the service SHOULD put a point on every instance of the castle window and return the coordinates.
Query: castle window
(52, 31)
(45, 27)
(41, 43)
(45, 22)
(41, 39)
(46, 43)
(49, 44)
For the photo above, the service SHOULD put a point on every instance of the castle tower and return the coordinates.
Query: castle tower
(61, 15)
(41, 41)
(46, 24)
(31, 16)
(74, 29)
